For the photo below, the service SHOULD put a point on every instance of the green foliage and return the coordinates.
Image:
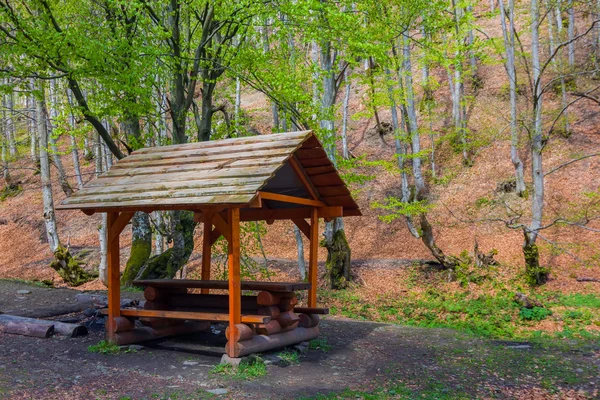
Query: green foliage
(69, 268)
(534, 314)
(320, 344)
(104, 347)
(396, 208)
(10, 191)
(251, 368)
(290, 357)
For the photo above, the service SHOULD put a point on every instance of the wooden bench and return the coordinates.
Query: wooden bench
(223, 285)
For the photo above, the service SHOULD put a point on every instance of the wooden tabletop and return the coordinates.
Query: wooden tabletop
(247, 285)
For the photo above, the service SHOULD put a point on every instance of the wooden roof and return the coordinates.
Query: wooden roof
(219, 173)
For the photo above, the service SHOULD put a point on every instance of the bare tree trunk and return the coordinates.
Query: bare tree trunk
(300, 246)
(49, 215)
(159, 240)
(509, 43)
(4, 139)
(429, 99)
(459, 107)
(345, 107)
(557, 63)
(10, 132)
(571, 32)
(33, 148)
(74, 150)
(530, 250)
(51, 120)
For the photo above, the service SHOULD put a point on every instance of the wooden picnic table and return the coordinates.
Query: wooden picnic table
(223, 285)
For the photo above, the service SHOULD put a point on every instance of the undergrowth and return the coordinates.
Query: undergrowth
(253, 368)
(480, 304)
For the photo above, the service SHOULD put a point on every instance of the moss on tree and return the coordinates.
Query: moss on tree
(69, 268)
(338, 260)
(140, 252)
(534, 273)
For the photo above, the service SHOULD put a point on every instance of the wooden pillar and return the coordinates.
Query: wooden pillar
(235, 292)
(206, 247)
(313, 257)
(114, 275)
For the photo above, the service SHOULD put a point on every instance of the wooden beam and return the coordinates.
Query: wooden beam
(114, 275)
(120, 224)
(313, 258)
(192, 315)
(303, 226)
(289, 213)
(299, 170)
(221, 225)
(215, 234)
(235, 289)
(290, 199)
(206, 248)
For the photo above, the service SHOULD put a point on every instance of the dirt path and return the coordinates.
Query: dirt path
(411, 362)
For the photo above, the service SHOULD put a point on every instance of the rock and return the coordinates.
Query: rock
(23, 291)
(519, 346)
(274, 359)
(190, 363)
(89, 312)
(525, 301)
(301, 348)
(136, 347)
(217, 391)
(235, 361)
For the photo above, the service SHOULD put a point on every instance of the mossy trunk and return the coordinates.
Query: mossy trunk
(338, 255)
(535, 274)
(68, 268)
(141, 247)
(447, 262)
(166, 265)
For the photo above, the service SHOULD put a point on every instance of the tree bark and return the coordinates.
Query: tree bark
(300, 247)
(51, 120)
(49, 215)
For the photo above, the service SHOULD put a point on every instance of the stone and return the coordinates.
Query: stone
(519, 346)
(23, 291)
(89, 312)
(274, 359)
(301, 348)
(136, 347)
(190, 363)
(235, 361)
(218, 391)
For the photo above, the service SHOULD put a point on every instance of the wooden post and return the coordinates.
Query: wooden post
(206, 247)
(114, 277)
(313, 257)
(235, 292)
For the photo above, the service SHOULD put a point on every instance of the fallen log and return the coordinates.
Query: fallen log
(60, 328)
(261, 343)
(26, 326)
(587, 279)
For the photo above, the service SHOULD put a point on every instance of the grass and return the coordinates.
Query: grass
(320, 344)
(433, 391)
(253, 368)
(290, 357)
(492, 312)
(104, 347)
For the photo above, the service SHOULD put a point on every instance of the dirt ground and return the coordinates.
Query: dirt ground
(426, 363)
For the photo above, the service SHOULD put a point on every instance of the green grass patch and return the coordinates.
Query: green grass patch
(104, 347)
(253, 368)
(319, 344)
(290, 357)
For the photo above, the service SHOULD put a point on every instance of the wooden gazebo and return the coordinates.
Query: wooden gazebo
(285, 176)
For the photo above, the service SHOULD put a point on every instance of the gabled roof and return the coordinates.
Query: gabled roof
(229, 172)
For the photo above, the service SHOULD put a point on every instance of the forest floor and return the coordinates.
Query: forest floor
(352, 359)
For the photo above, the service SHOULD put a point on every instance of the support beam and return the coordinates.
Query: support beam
(222, 225)
(120, 223)
(303, 226)
(114, 275)
(207, 217)
(313, 257)
(289, 213)
(299, 170)
(290, 199)
(235, 288)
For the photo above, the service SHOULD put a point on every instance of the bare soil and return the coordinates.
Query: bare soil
(431, 363)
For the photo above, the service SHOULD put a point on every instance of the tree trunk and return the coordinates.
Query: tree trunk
(49, 216)
(51, 120)
(300, 247)
(571, 33)
(509, 43)
(141, 247)
(428, 238)
(557, 63)
(74, 151)
(530, 250)
(345, 107)
(10, 132)
(35, 153)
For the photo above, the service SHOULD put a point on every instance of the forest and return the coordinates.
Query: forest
(466, 131)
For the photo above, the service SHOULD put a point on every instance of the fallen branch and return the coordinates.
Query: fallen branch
(587, 279)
